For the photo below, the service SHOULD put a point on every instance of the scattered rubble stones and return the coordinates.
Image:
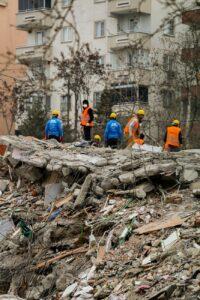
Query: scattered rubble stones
(85, 242)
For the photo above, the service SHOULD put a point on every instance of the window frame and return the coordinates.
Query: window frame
(104, 29)
(167, 28)
(36, 38)
(72, 36)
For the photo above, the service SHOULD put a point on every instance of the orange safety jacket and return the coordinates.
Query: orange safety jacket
(139, 141)
(85, 117)
(135, 129)
(172, 137)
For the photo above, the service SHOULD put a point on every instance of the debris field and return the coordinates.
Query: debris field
(96, 223)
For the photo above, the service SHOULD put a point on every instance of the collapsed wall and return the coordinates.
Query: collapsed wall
(87, 209)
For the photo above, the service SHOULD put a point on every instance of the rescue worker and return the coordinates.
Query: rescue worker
(140, 140)
(132, 129)
(87, 120)
(96, 141)
(173, 137)
(113, 132)
(54, 127)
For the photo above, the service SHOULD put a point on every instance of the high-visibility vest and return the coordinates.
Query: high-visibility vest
(173, 137)
(85, 117)
(139, 141)
(136, 131)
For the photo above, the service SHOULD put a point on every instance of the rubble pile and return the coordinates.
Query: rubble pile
(95, 223)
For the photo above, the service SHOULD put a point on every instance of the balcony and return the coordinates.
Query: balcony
(117, 7)
(38, 19)
(33, 53)
(135, 75)
(191, 54)
(131, 39)
(191, 17)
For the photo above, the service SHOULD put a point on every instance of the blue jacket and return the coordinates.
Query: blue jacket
(54, 127)
(113, 130)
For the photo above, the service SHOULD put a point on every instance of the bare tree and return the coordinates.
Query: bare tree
(77, 72)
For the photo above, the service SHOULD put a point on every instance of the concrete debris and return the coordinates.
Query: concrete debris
(189, 175)
(3, 185)
(171, 240)
(105, 224)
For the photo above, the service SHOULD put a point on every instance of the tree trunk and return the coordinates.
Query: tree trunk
(76, 116)
(188, 123)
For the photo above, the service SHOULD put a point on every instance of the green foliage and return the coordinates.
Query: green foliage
(34, 123)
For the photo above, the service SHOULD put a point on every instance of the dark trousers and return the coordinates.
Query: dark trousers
(174, 149)
(113, 143)
(50, 137)
(87, 133)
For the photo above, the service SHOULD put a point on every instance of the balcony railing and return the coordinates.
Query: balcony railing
(34, 20)
(130, 39)
(128, 6)
(33, 53)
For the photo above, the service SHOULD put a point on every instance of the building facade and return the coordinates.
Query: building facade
(10, 38)
(124, 33)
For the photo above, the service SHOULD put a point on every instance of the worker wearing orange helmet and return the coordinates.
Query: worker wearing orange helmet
(173, 137)
(132, 129)
(54, 127)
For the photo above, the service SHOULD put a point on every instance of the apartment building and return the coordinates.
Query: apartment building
(122, 31)
(10, 38)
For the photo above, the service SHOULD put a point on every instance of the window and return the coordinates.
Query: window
(65, 104)
(39, 38)
(99, 29)
(33, 4)
(132, 24)
(169, 28)
(96, 99)
(66, 2)
(101, 60)
(143, 93)
(67, 34)
(48, 103)
(168, 62)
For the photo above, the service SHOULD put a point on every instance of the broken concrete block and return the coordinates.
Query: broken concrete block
(6, 226)
(66, 171)
(80, 200)
(115, 182)
(76, 192)
(98, 191)
(69, 290)
(189, 175)
(3, 185)
(106, 184)
(9, 297)
(139, 193)
(171, 240)
(195, 185)
(127, 178)
(52, 192)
